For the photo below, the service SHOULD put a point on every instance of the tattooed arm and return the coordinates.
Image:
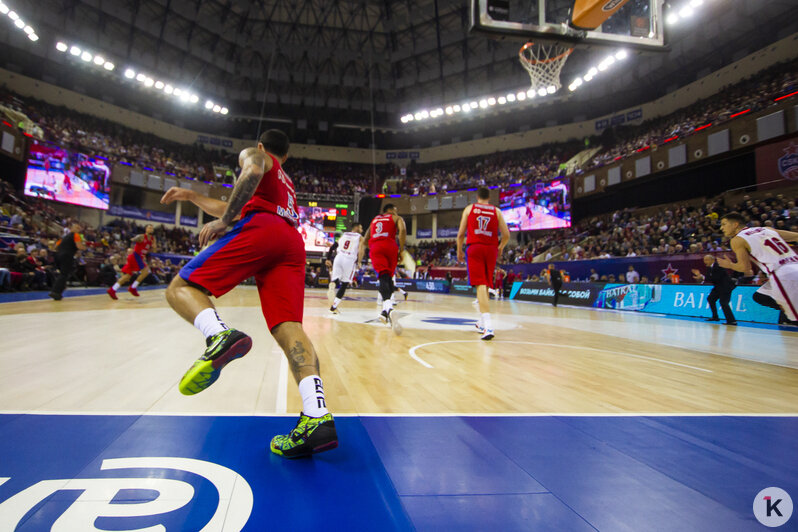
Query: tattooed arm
(253, 165)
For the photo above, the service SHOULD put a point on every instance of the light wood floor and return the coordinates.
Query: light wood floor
(90, 354)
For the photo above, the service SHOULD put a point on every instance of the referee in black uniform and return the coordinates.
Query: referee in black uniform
(722, 286)
(555, 280)
(65, 259)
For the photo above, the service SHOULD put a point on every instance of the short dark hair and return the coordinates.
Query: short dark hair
(355, 224)
(483, 193)
(275, 142)
(387, 207)
(734, 217)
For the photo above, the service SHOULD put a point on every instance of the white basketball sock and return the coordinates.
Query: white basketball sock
(116, 287)
(387, 305)
(335, 302)
(209, 323)
(486, 320)
(312, 392)
(135, 284)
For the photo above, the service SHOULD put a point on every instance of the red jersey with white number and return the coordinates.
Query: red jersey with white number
(143, 246)
(383, 228)
(483, 225)
(275, 194)
(768, 250)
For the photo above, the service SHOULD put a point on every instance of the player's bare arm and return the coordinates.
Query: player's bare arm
(788, 236)
(253, 165)
(211, 206)
(138, 238)
(361, 250)
(504, 231)
(741, 251)
(461, 234)
(402, 232)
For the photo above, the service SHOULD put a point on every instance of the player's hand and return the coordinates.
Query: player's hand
(177, 194)
(724, 262)
(210, 231)
(696, 272)
(460, 256)
(328, 264)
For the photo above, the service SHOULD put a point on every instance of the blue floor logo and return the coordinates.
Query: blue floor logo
(99, 497)
(772, 507)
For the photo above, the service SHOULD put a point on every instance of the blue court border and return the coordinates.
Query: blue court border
(561, 473)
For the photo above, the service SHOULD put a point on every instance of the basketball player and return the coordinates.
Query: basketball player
(136, 262)
(265, 244)
(482, 222)
(768, 249)
(345, 263)
(384, 253)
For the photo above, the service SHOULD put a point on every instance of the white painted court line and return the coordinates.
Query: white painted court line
(418, 359)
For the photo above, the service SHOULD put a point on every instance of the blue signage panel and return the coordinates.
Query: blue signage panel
(447, 232)
(681, 300)
(636, 114)
(423, 233)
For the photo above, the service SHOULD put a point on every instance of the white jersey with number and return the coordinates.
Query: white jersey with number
(348, 244)
(772, 254)
(768, 250)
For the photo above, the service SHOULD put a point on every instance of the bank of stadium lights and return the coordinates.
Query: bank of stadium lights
(18, 22)
(483, 103)
(183, 95)
(594, 71)
(85, 55)
(684, 11)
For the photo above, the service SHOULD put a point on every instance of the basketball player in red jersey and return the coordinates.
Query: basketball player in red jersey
(482, 222)
(384, 253)
(136, 262)
(264, 244)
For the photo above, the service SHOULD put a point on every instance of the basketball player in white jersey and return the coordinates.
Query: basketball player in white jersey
(345, 263)
(768, 249)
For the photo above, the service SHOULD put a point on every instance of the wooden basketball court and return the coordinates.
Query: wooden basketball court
(430, 420)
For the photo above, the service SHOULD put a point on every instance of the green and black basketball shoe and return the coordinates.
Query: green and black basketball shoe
(310, 436)
(223, 348)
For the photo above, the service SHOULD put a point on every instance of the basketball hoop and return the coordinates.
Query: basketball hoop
(544, 62)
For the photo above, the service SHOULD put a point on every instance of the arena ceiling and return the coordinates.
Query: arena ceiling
(322, 64)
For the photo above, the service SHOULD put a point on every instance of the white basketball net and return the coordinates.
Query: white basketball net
(544, 62)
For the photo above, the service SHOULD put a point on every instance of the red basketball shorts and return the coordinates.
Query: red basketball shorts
(481, 262)
(384, 254)
(135, 263)
(264, 246)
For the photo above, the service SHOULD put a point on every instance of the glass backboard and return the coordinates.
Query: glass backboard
(638, 24)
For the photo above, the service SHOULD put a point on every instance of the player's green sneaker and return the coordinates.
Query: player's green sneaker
(311, 435)
(223, 348)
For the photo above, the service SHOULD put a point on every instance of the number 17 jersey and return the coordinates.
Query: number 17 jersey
(483, 225)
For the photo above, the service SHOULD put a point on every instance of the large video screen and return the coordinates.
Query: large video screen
(58, 174)
(317, 227)
(540, 206)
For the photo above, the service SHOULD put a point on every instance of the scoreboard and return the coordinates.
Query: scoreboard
(319, 221)
(337, 216)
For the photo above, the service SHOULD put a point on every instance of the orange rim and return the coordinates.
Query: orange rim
(536, 61)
